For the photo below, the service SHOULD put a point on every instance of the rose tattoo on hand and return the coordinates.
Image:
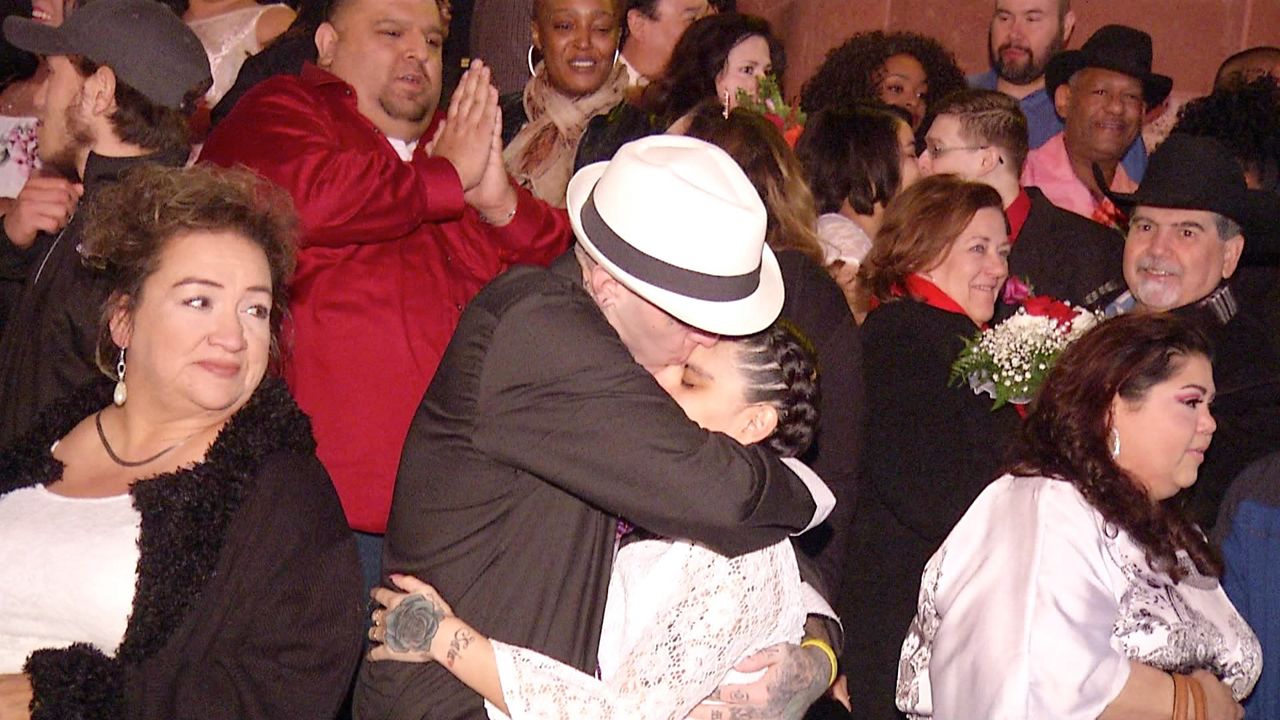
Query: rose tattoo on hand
(412, 625)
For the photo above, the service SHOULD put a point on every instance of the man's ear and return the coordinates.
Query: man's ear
(989, 161)
(603, 287)
(1062, 99)
(100, 92)
(326, 44)
(637, 24)
(121, 322)
(1068, 26)
(1231, 255)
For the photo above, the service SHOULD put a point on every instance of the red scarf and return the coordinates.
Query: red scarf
(1017, 213)
(923, 289)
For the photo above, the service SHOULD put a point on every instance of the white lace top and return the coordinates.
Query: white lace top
(229, 39)
(1033, 607)
(677, 619)
(68, 567)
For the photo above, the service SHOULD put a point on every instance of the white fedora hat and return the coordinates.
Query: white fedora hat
(676, 221)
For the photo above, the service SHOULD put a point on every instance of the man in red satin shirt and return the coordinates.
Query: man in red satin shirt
(406, 213)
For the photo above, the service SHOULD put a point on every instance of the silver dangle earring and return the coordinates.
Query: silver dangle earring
(532, 72)
(617, 53)
(1115, 444)
(121, 392)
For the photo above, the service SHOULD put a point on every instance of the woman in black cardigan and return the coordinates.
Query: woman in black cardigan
(188, 555)
(930, 281)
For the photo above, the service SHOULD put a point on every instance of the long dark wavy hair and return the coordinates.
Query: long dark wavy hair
(852, 71)
(1065, 436)
(699, 56)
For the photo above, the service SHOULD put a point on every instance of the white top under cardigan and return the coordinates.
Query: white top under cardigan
(68, 568)
(1034, 605)
(677, 619)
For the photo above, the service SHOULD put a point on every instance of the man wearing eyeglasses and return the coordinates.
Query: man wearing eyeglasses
(981, 135)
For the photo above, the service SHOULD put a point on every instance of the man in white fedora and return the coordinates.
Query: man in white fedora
(544, 426)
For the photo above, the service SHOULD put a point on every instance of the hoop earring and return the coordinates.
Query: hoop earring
(121, 393)
(1115, 444)
(532, 72)
(617, 53)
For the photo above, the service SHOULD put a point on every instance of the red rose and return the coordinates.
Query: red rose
(1045, 306)
(776, 119)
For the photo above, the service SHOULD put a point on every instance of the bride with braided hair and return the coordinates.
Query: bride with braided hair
(679, 617)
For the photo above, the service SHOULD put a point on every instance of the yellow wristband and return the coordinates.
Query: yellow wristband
(831, 655)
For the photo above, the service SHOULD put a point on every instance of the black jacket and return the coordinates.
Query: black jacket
(817, 308)
(931, 449)
(1066, 256)
(249, 596)
(50, 339)
(538, 430)
(1246, 374)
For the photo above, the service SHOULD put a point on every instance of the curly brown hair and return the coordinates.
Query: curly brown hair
(128, 225)
(919, 225)
(1065, 436)
(852, 71)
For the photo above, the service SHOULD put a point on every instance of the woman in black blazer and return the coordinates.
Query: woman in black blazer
(930, 281)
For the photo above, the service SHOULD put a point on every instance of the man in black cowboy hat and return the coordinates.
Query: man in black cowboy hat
(1187, 230)
(1101, 91)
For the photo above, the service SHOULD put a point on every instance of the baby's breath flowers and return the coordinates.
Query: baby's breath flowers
(1010, 361)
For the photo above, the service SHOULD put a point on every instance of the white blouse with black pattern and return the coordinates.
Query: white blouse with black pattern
(1034, 606)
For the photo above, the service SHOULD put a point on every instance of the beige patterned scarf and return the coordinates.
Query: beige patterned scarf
(540, 157)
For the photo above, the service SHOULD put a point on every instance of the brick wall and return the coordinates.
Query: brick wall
(1191, 37)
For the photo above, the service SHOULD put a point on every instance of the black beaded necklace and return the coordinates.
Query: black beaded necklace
(97, 420)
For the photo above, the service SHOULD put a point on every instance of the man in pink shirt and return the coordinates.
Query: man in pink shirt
(1101, 91)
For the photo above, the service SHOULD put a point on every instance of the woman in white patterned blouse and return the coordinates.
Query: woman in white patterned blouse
(1074, 587)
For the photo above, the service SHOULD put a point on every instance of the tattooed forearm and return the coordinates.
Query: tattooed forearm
(412, 625)
(794, 682)
(461, 639)
(800, 683)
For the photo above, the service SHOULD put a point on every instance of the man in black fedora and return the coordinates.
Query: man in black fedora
(1188, 226)
(1102, 92)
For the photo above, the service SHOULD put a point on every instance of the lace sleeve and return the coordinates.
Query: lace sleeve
(714, 611)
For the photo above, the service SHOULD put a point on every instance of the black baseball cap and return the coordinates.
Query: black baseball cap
(144, 43)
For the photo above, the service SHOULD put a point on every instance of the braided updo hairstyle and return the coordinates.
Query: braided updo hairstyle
(778, 368)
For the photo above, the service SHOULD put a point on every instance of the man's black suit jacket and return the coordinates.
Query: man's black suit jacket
(538, 430)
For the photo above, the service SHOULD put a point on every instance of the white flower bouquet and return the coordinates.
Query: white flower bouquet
(1010, 361)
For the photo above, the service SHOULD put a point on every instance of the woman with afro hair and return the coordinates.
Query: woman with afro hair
(905, 69)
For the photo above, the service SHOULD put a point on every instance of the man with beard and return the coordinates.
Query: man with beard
(1102, 91)
(1023, 37)
(123, 76)
(406, 214)
(1188, 227)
